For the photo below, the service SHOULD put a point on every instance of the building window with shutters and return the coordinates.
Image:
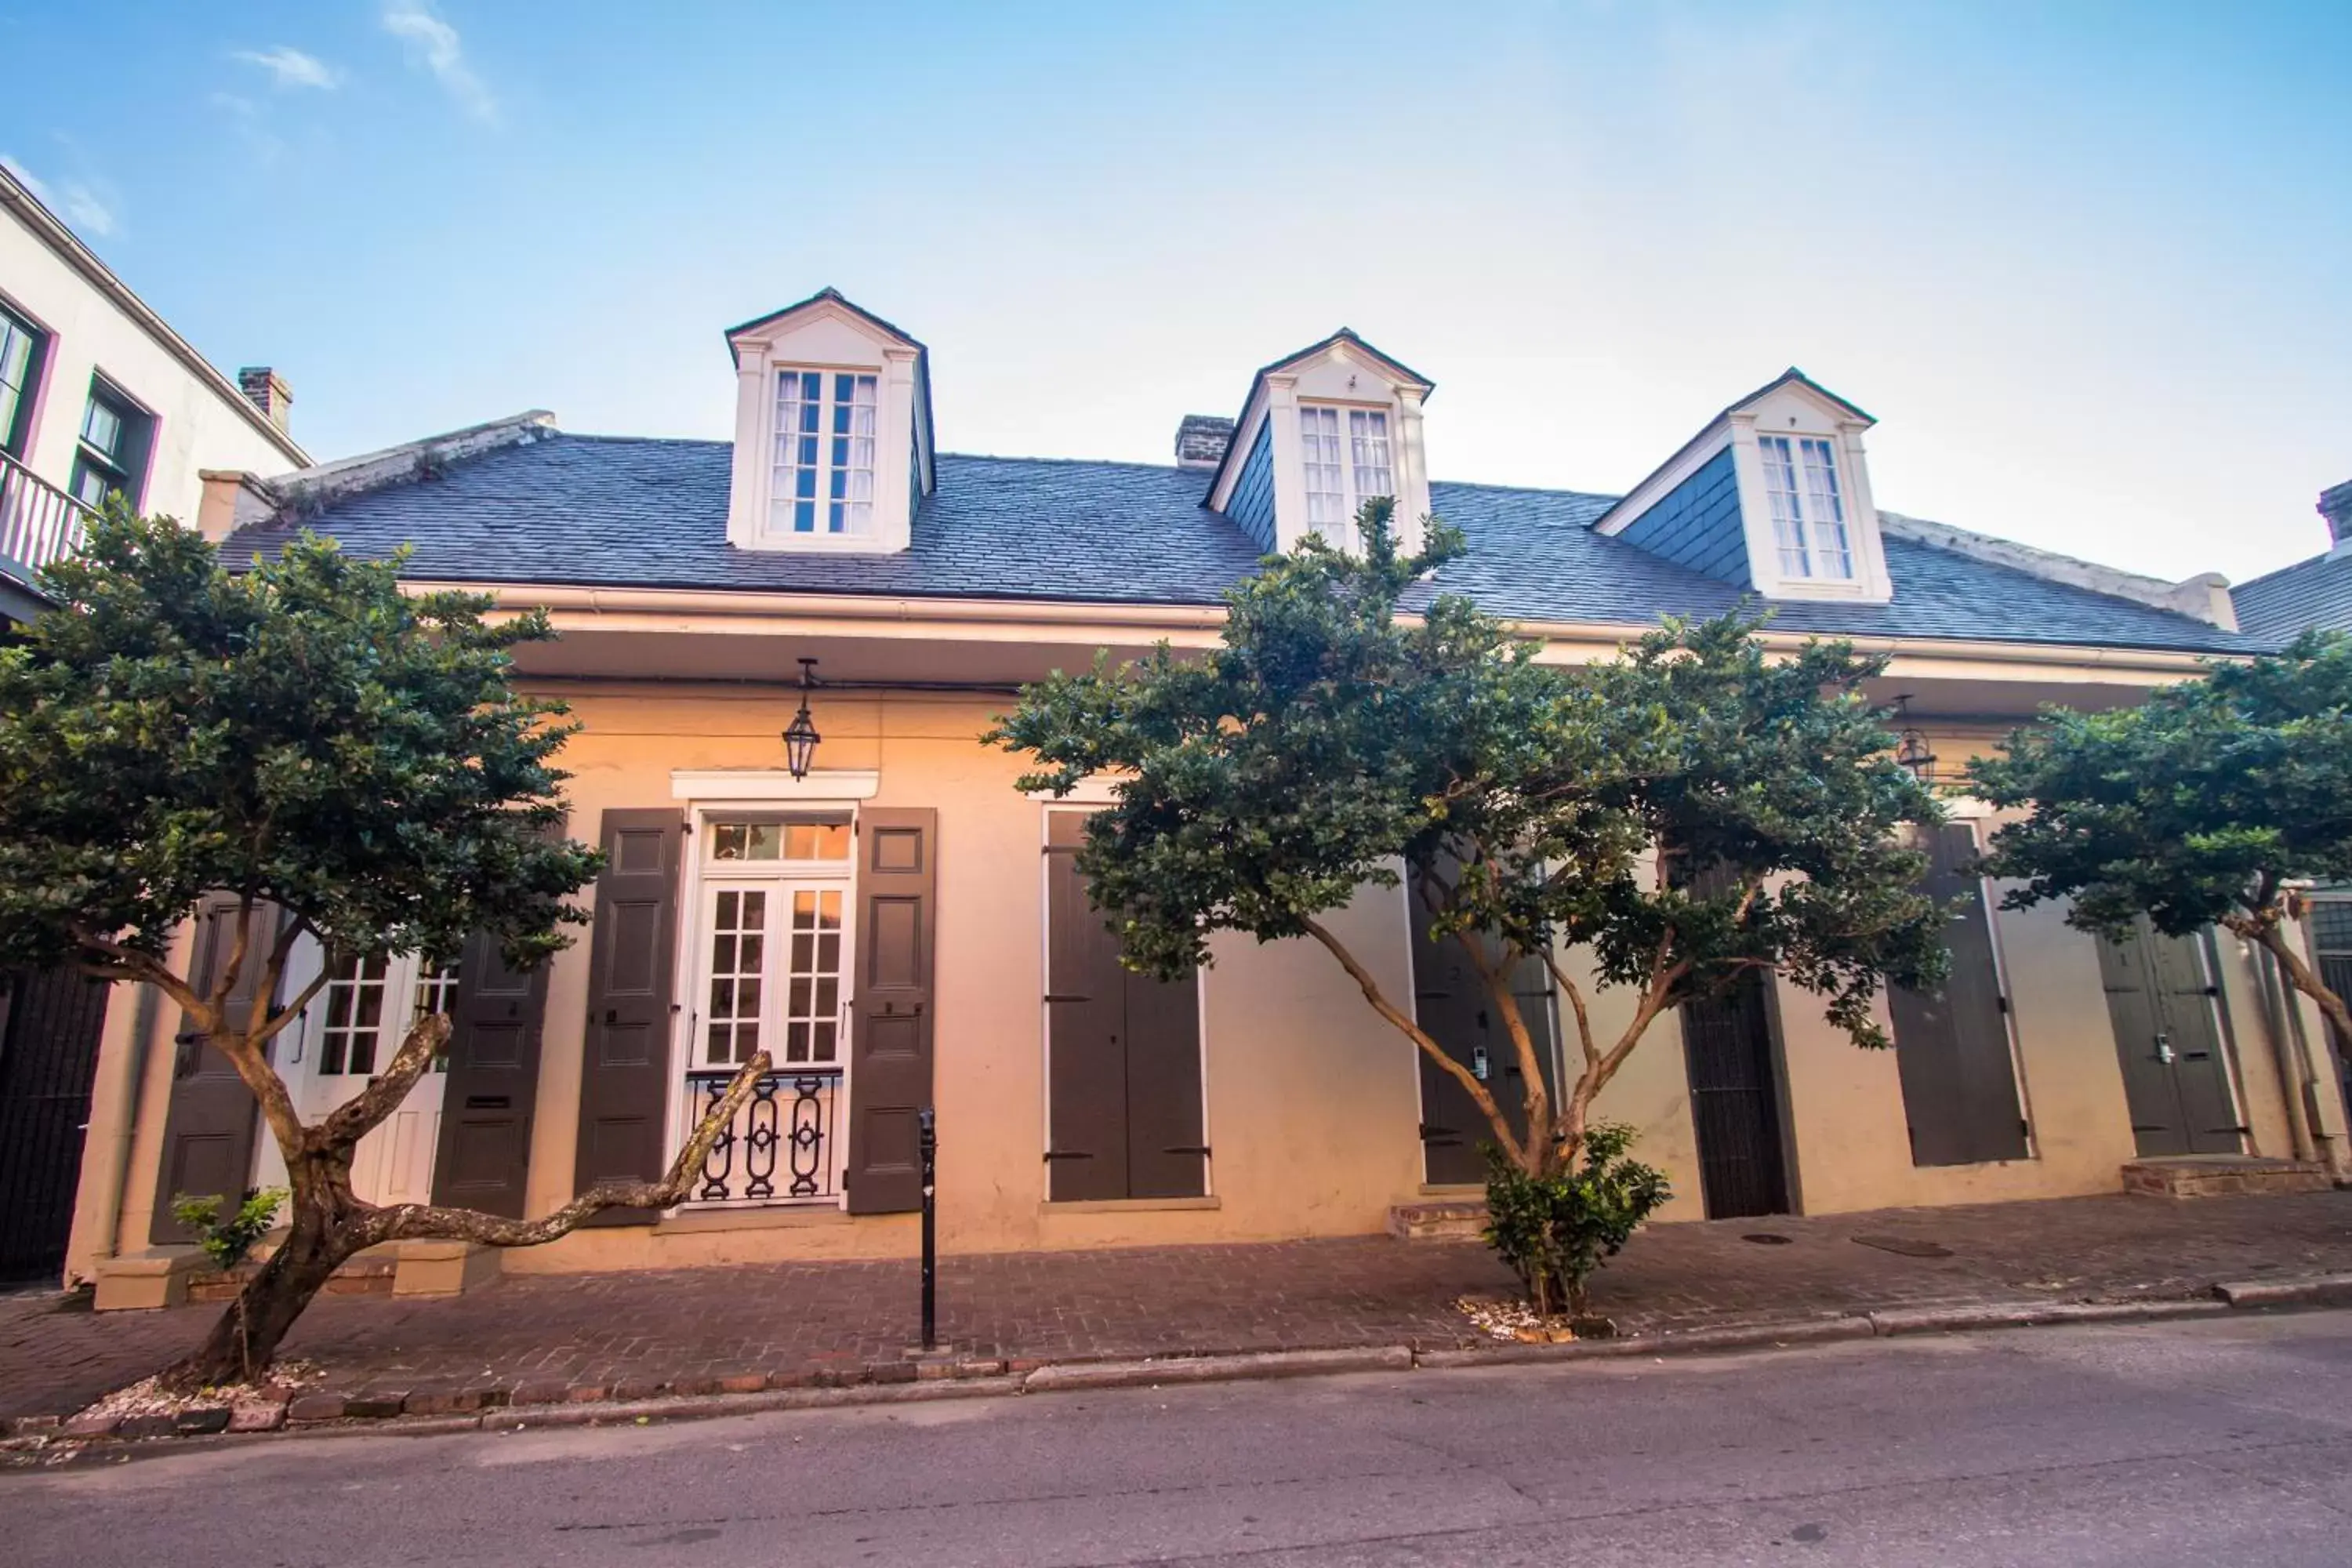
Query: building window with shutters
(771, 938)
(1124, 1091)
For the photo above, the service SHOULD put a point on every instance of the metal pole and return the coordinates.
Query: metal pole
(929, 1143)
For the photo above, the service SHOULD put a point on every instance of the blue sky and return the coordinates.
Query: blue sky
(2090, 264)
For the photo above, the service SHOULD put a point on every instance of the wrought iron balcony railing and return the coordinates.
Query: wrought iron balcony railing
(780, 1148)
(39, 522)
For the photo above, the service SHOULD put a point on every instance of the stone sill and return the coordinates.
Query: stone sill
(795, 1218)
(1454, 1190)
(1130, 1205)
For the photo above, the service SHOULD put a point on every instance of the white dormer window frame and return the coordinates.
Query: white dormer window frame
(1346, 457)
(1807, 506)
(821, 477)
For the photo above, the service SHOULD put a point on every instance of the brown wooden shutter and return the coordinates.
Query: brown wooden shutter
(891, 1039)
(495, 1023)
(208, 1132)
(632, 950)
(1123, 1053)
(1951, 1045)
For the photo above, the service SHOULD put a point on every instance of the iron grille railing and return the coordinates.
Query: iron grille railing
(780, 1147)
(39, 522)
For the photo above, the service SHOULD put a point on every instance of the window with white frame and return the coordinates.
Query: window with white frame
(1346, 455)
(1801, 481)
(356, 1037)
(773, 959)
(828, 430)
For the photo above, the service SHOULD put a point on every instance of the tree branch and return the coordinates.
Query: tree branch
(1497, 981)
(400, 1221)
(2274, 940)
(1413, 1031)
(364, 1111)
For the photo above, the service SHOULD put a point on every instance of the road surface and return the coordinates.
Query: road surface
(2224, 1440)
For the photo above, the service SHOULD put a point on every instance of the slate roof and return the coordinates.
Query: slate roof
(623, 511)
(2313, 592)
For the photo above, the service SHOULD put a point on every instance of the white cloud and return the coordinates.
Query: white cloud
(434, 44)
(289, 67)
(73, 200)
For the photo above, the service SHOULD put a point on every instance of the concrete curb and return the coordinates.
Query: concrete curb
(2312, 1290)
(47, 1438)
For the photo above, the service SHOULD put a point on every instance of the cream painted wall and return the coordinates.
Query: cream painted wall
(196, 426)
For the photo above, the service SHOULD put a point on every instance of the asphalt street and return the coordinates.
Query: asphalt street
(2223, 1440)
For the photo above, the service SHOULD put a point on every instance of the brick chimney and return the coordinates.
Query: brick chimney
(2336, 506)
(268, 391)
(1202, 440)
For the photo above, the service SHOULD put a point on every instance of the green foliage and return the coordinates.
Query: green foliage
(227, 1241)
(1686, 811)
(302, 732)
(1555, 1231)
(2196, 808)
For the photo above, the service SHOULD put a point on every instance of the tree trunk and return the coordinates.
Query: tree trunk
(245, 1341)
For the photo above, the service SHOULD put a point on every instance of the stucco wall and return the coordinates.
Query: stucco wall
(1312, 1101)
(196, 426)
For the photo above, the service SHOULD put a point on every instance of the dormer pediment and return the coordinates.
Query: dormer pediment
(832, 431)
(1321, 431)
(1773, 494)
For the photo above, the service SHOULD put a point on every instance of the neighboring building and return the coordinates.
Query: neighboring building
(2313, 594)
(97, 394)
(902, 929)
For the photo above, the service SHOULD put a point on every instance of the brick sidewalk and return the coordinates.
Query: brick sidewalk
(694, 1330)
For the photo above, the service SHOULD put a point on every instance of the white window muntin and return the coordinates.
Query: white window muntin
(361, 1020)
(827, 437)
(1808, 506)
(1348, 458)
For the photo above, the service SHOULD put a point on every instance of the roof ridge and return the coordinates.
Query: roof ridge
(2204, 598)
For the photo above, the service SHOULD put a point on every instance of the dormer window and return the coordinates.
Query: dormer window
(1323, 431)
(1343, 472)
(1807, 513)
(833, 431)
(826, 426)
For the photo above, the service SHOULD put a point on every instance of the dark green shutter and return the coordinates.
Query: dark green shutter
(496, 1024)
(1951, 1045)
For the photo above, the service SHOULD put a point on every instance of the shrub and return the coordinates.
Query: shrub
(227, 1241)
(1555, 1231)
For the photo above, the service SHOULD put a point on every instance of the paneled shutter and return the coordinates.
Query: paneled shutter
(891, 1037)
(1086, 1020)
(632, 950)
(1123, 1050)
(208, 1132)
(1951, 1045)
(495, 1023)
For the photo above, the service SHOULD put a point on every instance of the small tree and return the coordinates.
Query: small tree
(2209, 804)
(1690, 813)
(345, 760)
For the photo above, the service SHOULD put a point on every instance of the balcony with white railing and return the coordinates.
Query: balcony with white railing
(783, 1146)
(39, 522)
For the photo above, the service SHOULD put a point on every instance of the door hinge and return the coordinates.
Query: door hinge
(1200, 1149)
(2001, 1003)
(1067, 1154)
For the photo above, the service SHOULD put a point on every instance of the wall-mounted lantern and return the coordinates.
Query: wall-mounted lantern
(1911, 752)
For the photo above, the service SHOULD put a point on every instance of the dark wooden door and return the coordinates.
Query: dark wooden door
(208, 1132)
(2176, 1076)
(1123, 1053)
(1951, 1045)
(1454, 1007)
(48, 1055)
(1734, 1102)
(484, 1158)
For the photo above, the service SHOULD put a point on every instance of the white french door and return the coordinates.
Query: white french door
(772, 962)
(348, 1034)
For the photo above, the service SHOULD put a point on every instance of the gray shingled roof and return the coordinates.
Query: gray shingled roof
(621, 511)
(2313, 592)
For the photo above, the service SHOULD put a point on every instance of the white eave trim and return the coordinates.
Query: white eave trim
(1697, 452)
(776, 785)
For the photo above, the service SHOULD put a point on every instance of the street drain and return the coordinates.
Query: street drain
(1766, 1238)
